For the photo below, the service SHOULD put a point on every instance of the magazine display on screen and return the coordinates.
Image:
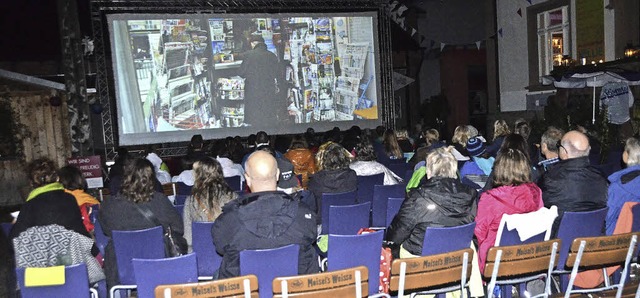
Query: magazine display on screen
(230, 74)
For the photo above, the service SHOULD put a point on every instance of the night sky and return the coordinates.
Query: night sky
(30, 29)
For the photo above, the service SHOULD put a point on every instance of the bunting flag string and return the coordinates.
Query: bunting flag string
(397, 11)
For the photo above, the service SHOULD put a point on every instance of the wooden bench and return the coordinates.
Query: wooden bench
(351, 282)
(241, 286)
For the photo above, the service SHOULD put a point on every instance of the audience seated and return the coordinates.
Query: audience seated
(124, 211)
(334, 174)
(431, 138)
(549, 148)
(522, 127)
(163, 176)
(500, 131)
(461, 135)
(209, 193)
(515, 142)
(222, 154)
(573, 184)
(390, 145)
(405, 143)
(71, 179)
(480, 163)
(302, 158)
(196, 148)
(186, 176)
(513, 193)
(625, 184)
(365, 164)
(442, 201)
(266, 218)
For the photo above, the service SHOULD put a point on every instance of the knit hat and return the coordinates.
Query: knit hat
(475, 147)
(287, 177)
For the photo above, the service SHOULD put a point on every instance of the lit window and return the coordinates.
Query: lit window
(553, 38)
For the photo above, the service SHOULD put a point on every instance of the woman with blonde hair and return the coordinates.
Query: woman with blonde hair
(513, 193)
(624, 183)
(209, 193)
(461, 136)
(500, 131)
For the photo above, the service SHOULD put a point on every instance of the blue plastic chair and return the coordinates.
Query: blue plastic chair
(334, 199)
(347, 251)
(95, 209)
(575, 225)
(381, 193)
(407, 175)
(202, 242)
(180, 199)
(141, 244)
(635, 226)
(76, 283)
(6, 228)
(151, 273)
(179, 209)
(183, 189)
(399, 169)
(234, 182)
(365, 186)
(448, 239)
(347, 220)
(393, 207)
(268, 264)
(101, 238)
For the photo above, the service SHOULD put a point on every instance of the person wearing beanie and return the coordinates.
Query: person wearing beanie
(480, 163)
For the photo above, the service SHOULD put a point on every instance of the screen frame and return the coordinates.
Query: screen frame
(131, 139)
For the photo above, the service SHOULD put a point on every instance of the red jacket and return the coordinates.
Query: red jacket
(494, 203)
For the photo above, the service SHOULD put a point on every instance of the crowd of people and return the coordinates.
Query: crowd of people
(454, 183)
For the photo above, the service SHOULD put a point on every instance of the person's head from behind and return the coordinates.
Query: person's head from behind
(431, 136)
(262, 138)
(515, 142)
(332, 156)
(186, 163)
(549, 142)
(441, 163)
(298, 142)
(207, 170)
(255, 40)
(402, 134)
(261, 171)
(364, 151)
(71, 178)
(573, 144)
(42, 171)
(511, 168)
(139, 181)
(197, 142)
(500, 129)
(390, 142)
(461, 135)
(380, 130)
(631, 154)
(476, 147)
(522, 128)
(209, 184)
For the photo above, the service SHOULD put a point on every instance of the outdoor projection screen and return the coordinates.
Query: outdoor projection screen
(223, 75)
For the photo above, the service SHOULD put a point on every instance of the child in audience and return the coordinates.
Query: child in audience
(71, 178)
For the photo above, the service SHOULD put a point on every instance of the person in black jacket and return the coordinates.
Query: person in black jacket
(122, 211)
(573, 184)
(264, 219)
(442, 201)
(334, 174)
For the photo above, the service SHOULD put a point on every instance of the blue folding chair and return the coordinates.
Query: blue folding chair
(381, 193)
(76, 284)
(183, 189)
(407, 175)
(268, 264)
(399, 169)
(180, 199)
(6, 228)
(179, 209)
(348, 219)
(635, 226)
(448, 239)
(365, 186)
(151, 273)
(141, 244)
(575, 225)
(101, 238)
(346, 251)
(393, 207)
(334, 199)
(208, 259)
(234, 182)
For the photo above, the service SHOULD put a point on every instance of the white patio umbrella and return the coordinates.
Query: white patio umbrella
(594, 80)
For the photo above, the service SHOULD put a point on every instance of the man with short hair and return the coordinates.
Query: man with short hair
(573, 184)
(264, 219)
(549, 148)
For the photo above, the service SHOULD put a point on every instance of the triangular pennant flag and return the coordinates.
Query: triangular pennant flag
(393, 5)
(478, 44)
(500, 32)
(413, 31)
(402, 9)
(520, 12)
(400, 80)
(442, 44)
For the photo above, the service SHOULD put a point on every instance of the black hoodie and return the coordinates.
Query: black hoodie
(331, 181)
(264, 220)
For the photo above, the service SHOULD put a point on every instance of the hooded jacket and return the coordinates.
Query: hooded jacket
(439, 202)
(331, 181)
(494, 203)
(624, 187)
(264, 220)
